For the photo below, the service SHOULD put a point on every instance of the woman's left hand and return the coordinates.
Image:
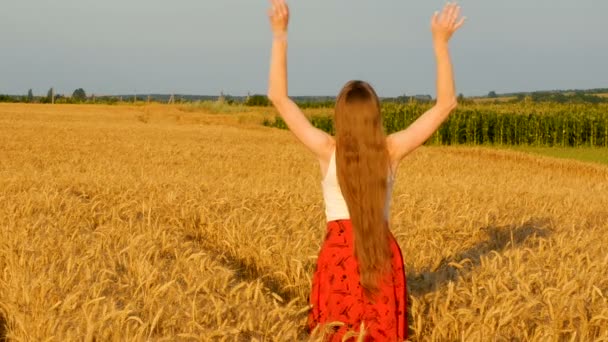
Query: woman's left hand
(446, 22)
(279, 17)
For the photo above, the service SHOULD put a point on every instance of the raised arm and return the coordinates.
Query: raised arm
(401, 143)
(319, 142)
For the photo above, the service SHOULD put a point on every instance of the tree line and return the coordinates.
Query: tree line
(257, 100)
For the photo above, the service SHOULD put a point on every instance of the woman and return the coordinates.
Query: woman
(359, 280)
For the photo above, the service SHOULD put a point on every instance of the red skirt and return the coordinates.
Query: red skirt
(337, 296)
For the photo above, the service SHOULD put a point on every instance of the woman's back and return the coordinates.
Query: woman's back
(335, 204)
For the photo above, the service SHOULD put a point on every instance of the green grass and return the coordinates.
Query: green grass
(585, 154)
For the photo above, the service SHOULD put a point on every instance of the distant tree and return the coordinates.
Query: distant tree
(30, 96)
(463, 100)
(79, 95)
(221, 99)
(6, 98)
(492, 94)
(399, 99)
(50, 96)
(257, 101)
(423, 98)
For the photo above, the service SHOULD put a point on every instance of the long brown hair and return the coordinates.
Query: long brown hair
(362, 162)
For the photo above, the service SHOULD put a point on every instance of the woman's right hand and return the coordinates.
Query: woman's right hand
(279, 17)
(446, 22)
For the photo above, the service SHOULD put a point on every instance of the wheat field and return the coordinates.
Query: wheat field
(162, 223)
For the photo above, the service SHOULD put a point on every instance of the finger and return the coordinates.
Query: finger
(275, 7)
(455, 15)
(446, 13)
(287, 9)
(441, 13)
(284, 10)
(460, 23)
(281, 7)
(435, 18)
(450, 12)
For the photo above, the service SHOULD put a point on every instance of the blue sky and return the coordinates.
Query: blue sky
(204, 47)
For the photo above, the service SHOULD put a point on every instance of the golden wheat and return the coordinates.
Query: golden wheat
(162, 223)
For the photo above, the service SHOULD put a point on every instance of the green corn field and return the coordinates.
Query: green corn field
(546, 124)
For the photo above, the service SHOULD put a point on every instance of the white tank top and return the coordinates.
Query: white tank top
(335, 205)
